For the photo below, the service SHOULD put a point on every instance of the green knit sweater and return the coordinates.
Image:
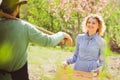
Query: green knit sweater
(14, 38)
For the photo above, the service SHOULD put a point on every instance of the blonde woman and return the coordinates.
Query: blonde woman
(89, 46)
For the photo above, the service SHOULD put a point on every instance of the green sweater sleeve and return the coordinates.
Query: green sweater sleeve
(36, 36)
(18, 35)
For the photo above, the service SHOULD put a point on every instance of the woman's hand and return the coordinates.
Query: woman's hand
(65, 64)
(97, 71)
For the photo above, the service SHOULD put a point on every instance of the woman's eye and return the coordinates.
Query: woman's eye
(88, 22)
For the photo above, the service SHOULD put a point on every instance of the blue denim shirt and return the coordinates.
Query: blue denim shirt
(87, 53)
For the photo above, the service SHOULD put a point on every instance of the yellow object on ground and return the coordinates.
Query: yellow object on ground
(77, 75)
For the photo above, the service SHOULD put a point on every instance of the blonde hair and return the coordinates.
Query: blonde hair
(100, 20)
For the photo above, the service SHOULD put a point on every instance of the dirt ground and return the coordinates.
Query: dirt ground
(113, 68)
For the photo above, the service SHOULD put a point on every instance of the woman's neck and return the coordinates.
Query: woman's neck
(91, 33)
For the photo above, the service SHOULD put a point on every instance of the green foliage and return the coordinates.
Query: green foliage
(5, 53)
(57, 15)
(38, 14)
(60, 15)
(39, 56)
(66, 48)
(112, 19)
(62, 74)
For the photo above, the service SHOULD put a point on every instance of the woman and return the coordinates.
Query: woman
(89, 46)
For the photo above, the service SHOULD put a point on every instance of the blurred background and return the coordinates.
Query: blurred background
(67, 16)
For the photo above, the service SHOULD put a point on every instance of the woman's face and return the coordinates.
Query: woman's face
(92, 25)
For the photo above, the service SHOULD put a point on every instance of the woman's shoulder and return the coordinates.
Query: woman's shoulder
(80, 36)
(100, 40)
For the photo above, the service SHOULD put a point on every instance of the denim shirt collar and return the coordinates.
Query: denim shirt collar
(87, 37)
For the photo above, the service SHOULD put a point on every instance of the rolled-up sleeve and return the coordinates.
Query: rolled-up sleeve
(74, 57)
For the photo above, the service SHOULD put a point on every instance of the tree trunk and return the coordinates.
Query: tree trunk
(78, 22)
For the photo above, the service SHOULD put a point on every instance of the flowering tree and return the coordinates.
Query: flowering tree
(67, 15)
(71, 12)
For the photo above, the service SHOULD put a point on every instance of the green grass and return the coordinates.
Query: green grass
(41, 55)
(45, 63)
(42, 60)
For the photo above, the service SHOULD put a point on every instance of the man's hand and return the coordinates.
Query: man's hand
(67, 39)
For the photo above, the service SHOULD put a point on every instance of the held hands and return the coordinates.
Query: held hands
(67, 39)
